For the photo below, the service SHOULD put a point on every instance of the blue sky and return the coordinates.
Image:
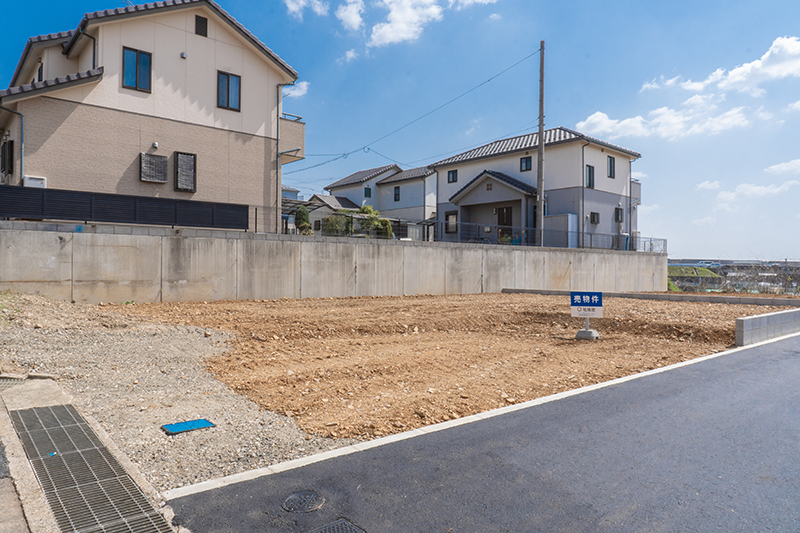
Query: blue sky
(708, 93)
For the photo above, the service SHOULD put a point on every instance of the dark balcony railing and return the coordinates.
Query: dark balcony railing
(59, 204)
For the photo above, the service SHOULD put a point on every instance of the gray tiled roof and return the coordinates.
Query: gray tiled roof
(410, 174)
(363, 175)
(288, 189)
(527, 142)
(168, 5)
(39, 40)
(521, 185)
(51, 85)
(336, 202)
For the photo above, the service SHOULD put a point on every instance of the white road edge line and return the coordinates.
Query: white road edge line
(363, 446)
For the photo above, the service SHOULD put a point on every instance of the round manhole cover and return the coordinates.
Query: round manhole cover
(303, 502)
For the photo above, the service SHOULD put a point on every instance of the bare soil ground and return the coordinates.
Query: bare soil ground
(367, 367)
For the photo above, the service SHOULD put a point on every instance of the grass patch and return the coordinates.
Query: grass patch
(684, 271)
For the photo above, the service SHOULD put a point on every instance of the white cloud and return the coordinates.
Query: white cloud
(296, 7)
(665, 123)
(708, 186)
(763, 114)
(700, 86)
(406, 20)
(728, 208)
(707, 221)
(495, 17)
(639, 175)
(653, 84)
(645, 210)
(794, 107)
(350, 14)
(461, 4)
(297, 90)
(790, 167)
(782, 60)
(750, 190)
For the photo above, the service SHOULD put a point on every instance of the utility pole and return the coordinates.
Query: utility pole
(540, 158)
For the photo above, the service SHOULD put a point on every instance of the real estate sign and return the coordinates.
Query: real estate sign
(586, 304)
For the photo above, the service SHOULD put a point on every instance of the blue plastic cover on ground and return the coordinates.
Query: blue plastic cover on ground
(180, 427)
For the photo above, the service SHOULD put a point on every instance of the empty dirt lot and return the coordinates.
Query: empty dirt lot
(366, 367)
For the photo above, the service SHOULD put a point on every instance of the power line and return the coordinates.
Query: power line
(366, 146)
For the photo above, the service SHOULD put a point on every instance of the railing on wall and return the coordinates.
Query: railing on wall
(59, 204)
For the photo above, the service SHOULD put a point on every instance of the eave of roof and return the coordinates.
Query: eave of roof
(410, 174)
(39, 41)
(508, 180)
(171, 5)
(362, 175)
(337, 202)
(529, 141)
(42, 87)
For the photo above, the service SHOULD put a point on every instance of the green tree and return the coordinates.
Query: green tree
(302, 221)
(368, 221)
(384, 229)
(338, 224)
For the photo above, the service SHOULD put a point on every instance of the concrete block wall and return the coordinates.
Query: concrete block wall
(753, 329)
(93, 263)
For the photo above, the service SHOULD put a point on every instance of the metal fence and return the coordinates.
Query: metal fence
(518, 236)
(59, 204)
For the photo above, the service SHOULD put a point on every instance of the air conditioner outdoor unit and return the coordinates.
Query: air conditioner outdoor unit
(38, 182)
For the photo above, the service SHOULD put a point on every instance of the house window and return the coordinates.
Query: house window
(611, 165)
(40, 72)
(153, 168)
(317, 225)
(594, 218)
(136, 69)
(397, 194)
(452, 176)
(229, 91)
(200, 26)
(185, 172)
(618, 214)
(7, 158)
(451, 222)
(367, 192)
(590, 176)
(525, 164)
(488, 186)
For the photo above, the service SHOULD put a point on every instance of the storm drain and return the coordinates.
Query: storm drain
(86, 487)
(6, 383)
(340, 526)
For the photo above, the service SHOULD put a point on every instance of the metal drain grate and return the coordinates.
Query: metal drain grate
(340, 526)
(86, 487)
(6, 383)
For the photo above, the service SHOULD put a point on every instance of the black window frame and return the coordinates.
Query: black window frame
(612, 164)
(7, 157)
(451, 227)
(177, 172)
(619, 214)
(229, 75)
(397, 193)
(452, 176)
(200, 26)
(367, 192)
(594, 217)
(138, 85)
(525, 164)
(589, 177)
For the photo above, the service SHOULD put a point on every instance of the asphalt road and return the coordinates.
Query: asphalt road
(713, 446)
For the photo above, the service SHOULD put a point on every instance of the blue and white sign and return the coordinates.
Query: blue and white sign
(586, 304)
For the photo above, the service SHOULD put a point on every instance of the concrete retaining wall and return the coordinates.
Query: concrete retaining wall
(753, 329)
(93, 263)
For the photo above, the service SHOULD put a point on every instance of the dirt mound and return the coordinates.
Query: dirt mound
(366, 367)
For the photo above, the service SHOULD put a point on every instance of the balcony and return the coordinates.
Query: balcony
(293, 138)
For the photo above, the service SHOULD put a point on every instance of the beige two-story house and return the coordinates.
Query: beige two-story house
(171, 99)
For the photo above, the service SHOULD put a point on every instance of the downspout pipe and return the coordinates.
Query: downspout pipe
(278, 191)
(583, 194)
(22, 144)
(94, 48)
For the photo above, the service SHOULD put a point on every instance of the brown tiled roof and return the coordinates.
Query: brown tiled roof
(527, 142)
(363, 175)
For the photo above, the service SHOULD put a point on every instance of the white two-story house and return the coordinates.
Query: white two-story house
(488, 194)
(396, 193)
(165, 100)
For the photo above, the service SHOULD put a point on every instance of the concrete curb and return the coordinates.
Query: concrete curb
(673, 297)
(347, 450)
